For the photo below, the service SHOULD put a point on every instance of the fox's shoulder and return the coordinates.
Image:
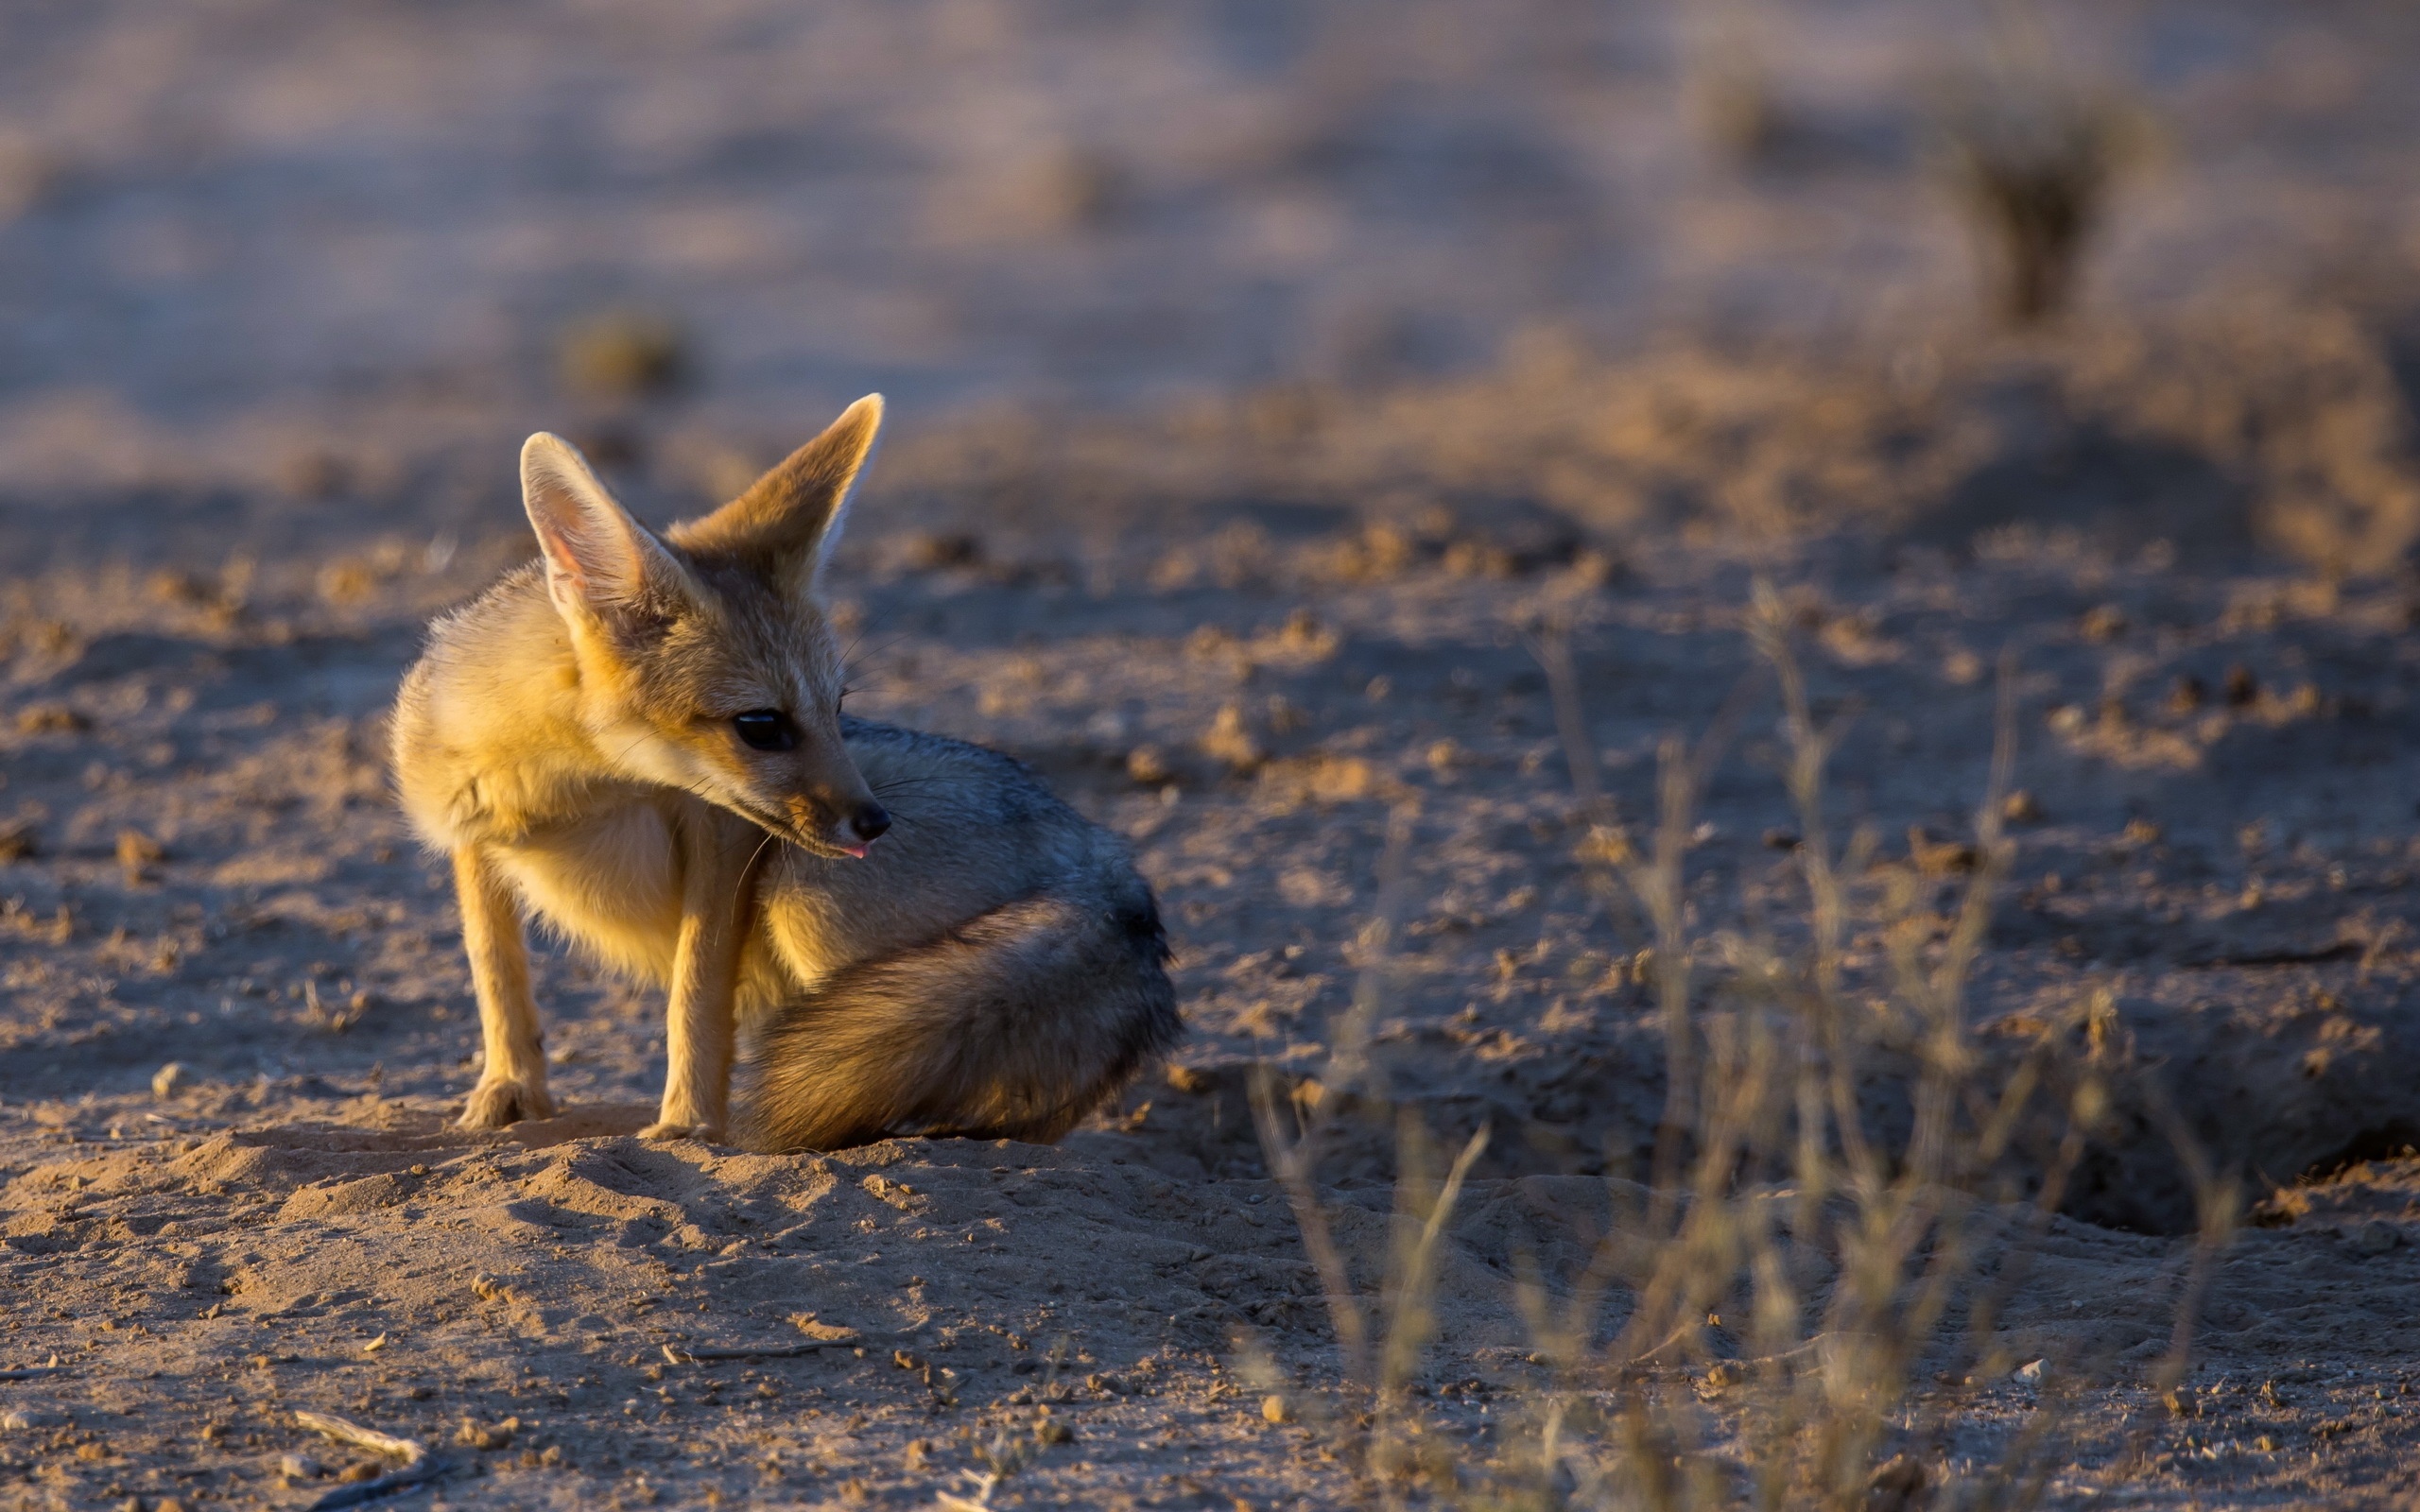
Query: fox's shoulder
(514, 615)
(509, 636)
(485, 707)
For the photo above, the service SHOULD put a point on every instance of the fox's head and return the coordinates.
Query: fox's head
(704, 658)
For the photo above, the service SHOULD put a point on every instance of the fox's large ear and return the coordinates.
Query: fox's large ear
(600, 561)
(788, 520)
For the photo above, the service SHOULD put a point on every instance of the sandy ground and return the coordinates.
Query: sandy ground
(282, 292)
(196, 1262)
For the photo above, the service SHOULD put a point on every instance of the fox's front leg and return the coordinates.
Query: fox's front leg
(717, 909)
(513, 1085)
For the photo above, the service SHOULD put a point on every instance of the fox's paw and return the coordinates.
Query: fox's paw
(499, 1100)
(703, 1133)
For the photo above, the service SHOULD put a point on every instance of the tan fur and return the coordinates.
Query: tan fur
(992, 965)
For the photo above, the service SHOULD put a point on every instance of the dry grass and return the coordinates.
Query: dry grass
(1807, 1284)
(2217, 433)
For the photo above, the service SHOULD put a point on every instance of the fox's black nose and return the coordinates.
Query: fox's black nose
(868, 822)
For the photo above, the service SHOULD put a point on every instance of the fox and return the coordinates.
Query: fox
(636, 740)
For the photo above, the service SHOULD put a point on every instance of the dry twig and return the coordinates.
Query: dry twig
(683, 1354)
(417, 1466)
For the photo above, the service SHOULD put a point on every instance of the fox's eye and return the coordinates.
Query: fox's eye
(765, 729)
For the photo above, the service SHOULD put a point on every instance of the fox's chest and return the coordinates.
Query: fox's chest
(610, 879)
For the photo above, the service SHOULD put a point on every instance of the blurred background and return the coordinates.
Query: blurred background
(262, 256)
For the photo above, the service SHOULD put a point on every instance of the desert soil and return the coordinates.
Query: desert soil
(283, 294)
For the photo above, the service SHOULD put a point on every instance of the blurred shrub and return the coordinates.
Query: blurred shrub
(27, 172)
(1729, 95)
(2033, 175)
(623, 354)
(1049, 190)
(2032, 155)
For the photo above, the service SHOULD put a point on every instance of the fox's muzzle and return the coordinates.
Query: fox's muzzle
(868, 824)
(847, 826)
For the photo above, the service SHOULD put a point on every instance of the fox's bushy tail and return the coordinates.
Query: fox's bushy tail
(1015, 1025)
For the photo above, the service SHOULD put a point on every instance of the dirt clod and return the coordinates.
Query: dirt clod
(487, 1436)
(51, 719)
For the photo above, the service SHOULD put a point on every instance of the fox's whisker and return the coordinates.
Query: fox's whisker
(753, 857)
(902, 785)
(888, 646)
(850, 656)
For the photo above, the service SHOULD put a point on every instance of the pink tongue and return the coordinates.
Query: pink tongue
(856, 850)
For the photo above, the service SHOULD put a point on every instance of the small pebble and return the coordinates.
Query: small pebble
(1273, 1408)
(170, 1079)
(1149, 765)
(137, 851)
(299, 1468)
(2375, 1238)
(1230, 740)
(18, 1419)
